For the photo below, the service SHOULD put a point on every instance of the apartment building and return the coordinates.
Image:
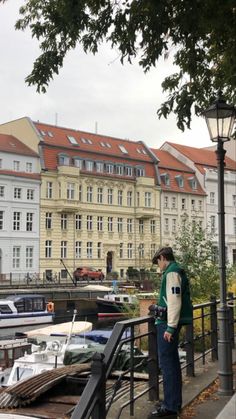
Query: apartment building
(100, 199)
(19, 208)
(182, 196)
(204, 163)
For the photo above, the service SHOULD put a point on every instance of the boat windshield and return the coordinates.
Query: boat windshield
(5, 309)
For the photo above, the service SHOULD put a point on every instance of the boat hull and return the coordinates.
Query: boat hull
(25, 319)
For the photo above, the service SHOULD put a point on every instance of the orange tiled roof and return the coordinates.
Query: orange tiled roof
(169, 161)
(20, 174)
(203, 157)
(174, 186)
(10, 144)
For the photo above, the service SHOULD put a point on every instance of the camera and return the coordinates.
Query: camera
(158, 312)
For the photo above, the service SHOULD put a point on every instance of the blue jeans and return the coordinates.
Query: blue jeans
(170, 367)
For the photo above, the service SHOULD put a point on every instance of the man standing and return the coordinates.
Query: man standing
(175, 310)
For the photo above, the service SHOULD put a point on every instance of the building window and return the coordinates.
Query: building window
(49, 190)
(48, 220)
(166, 202)
(109, 168)
(148, 199)
(63, 249)
(1, 220)
(129, 225)
(99, 249)
(89, 222)
(29, 221)
(89, 194)
(166, 224)
(120, 170)
(16, 221)
(110, 196)
(141, 250)
(17, 193)
(215, 254)
(193, 204)
(80, 193)
(78, 163)
(129, 198)
(137, 199)
(173, 203)
(29, 167)
(120, 197)
(2, 191)
(129, 171)
(153, 226)
(153, 249)
(100, 223)
(140, 171)
(120, 225)
(89, 165)
(110, 224)
(130, 250)
(165, 179)
(183, 203)
(212, 197)
(234, 200)
(141, 226)
(173, 225)
(16, 257)
(213, 224)
(99, 167)
(89, 250)
(0, 163)
(16, 165)
(29, 257)
(30, 194)
(70, 191)
(234, 226)
(63, 221)
(200, 205)
(100, 195)
(48, 249)
(78, 222)
(78, 249)
(64, 160)
(121, 250)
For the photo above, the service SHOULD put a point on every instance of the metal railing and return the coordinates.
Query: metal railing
(200, 339)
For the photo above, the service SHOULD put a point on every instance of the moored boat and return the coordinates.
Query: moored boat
(25, 309)
(115, 304)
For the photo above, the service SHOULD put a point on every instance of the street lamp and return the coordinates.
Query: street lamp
(220, 119)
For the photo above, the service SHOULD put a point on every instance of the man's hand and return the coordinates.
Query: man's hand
(168, 336)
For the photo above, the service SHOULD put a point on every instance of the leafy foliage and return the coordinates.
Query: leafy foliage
(194, 250)
(199, 35)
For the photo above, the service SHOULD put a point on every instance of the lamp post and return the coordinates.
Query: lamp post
(220, 120)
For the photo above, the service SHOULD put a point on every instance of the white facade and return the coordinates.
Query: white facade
(19, 214)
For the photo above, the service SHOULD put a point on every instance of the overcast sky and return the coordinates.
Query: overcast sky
(90, 91)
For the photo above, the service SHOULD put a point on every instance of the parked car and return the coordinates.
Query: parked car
(86, 273)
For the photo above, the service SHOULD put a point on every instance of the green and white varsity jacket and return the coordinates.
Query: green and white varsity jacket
(175, 295)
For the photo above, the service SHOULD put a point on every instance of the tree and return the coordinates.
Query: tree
(199, 34)
(195, 251)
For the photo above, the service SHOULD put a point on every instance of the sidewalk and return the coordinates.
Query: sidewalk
(205, 408)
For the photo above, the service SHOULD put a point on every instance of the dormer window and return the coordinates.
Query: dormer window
(140, 171)
(129, 171)
(89, 165)
(78, 163)
(109, 168)
(63, 160)
(72, 139)
(165, 179)
(193, 182)
(123, 149)
(99, 166)
(86, 141)
(180, 181)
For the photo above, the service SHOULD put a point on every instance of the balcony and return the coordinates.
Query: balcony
(146, 212)
(65, 205)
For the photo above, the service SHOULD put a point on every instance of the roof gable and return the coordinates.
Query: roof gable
(10, 144)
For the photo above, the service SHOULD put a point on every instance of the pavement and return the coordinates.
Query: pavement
(200, 397)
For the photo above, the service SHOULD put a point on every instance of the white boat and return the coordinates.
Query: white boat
(114, 304)
(10, 350)
(56, 341)
(25, 309)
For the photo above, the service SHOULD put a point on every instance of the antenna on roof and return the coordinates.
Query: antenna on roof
(96, 127)
(56, 115)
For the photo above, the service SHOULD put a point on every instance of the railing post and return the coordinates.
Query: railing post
(98, 369)
(231, 318)
(153, 369)
(190, 350)
(214, 334)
